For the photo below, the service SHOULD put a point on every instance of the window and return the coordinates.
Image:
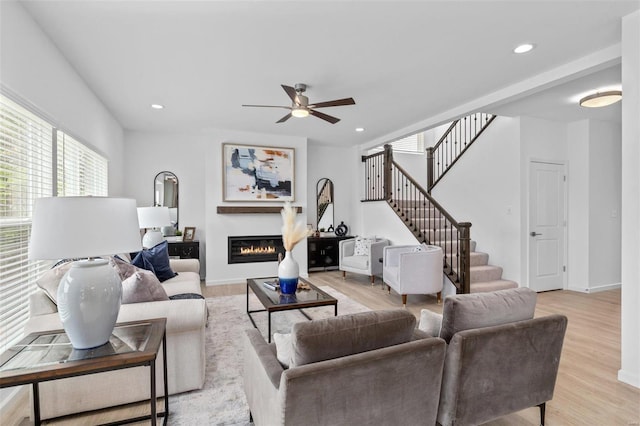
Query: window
(27, 156)
(412, 144)
(81, 171)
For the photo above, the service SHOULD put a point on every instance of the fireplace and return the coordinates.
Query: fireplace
(254, 248)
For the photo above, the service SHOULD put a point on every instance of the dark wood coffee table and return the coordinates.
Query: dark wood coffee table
(48, 355)
(274, 301)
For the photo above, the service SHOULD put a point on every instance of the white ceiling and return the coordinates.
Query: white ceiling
(402, 62)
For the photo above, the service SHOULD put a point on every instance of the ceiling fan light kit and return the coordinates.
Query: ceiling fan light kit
(601, 99)
(301, 108)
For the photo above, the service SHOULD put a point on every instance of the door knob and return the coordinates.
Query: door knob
(534, 233)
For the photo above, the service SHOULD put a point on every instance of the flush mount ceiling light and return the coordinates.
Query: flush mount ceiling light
(601, 99)
(524, 48)
(359, 129)
(157, 106)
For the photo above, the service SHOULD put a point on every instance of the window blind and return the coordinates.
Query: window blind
(412, 143)
(81, 171)
(25, 174)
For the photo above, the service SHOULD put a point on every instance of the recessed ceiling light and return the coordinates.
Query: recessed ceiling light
(359, 129)
(157, 106)
(601, 99)
(524, 48)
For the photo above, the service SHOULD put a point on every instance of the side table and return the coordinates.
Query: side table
(48, 355)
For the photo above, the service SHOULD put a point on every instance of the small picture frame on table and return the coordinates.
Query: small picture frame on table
(189, 233)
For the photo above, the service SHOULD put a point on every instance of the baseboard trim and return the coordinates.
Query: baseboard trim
(629, 378)
(596, 289)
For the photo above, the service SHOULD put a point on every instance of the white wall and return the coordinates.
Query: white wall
(33, 69)
(484, 189)
(594, 200)
(630, 368)
(605, 162)
(196, 159)
(339, 165)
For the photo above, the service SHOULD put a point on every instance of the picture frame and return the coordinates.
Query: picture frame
(189, 233)
(258, 173)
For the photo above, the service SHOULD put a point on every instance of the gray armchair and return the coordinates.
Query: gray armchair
(367, 262)
(367, 368)
(499, 358)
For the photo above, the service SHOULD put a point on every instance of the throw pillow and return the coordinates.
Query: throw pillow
(156, 260)
(362, 246)
(50, 280)
(142, 286)
(283, 348)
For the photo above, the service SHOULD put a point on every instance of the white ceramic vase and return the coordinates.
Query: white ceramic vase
(288, 272)
(89, 297)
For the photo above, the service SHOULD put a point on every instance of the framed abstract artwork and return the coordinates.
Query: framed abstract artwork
(257, 173)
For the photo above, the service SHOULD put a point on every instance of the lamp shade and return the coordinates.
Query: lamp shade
(153, 217)
(73, 227)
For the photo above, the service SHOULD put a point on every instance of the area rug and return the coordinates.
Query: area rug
(221, 401)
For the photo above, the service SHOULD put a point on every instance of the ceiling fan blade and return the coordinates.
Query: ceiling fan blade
(337, 102)
(290, 91)
(285, 118)
(325, 117)
(267, 106)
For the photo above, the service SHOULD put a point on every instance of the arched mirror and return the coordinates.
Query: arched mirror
(165, 194)
(324, 197)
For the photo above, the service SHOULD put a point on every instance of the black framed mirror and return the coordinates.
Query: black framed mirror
(325, 204)
(165, 194)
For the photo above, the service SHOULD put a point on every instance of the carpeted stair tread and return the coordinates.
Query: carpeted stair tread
(487, 286)
(485, 273)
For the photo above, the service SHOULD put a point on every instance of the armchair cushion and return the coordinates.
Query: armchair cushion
(469, 311)
(358, 262)
(283, 348)
(340, 336)
(363, 245)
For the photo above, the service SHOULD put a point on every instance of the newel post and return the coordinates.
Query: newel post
(465, 257)
(430, 170)
(388, 170)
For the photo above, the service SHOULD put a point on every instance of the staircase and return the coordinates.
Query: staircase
(432, 229)
(468, 270)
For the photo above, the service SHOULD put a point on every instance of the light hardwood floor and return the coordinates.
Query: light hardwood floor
(587, 390)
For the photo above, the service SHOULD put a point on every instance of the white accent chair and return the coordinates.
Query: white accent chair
(413, 269)
(367, 263)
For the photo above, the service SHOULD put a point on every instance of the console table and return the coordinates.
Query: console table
(184, 249)
(323, 253)
(48, 355)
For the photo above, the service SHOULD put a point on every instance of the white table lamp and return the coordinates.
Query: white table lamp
(153, 218)
(89, 293)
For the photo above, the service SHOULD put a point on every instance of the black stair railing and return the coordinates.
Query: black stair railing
(455, 141)
(422, 215)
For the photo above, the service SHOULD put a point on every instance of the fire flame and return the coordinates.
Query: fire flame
(257, 250)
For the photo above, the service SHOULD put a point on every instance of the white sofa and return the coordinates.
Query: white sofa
(186, 322)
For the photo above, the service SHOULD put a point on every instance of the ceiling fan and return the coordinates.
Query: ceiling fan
(300, 106)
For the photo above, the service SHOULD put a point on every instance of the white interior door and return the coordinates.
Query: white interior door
(546, 226)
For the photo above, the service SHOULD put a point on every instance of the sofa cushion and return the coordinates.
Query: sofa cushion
(50, 280)
(142, 286)
(468, 311)
(156, 260)
(357, 262)
(335, 337)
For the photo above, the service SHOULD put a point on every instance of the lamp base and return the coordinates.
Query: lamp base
(89, 298)
(152, 238)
